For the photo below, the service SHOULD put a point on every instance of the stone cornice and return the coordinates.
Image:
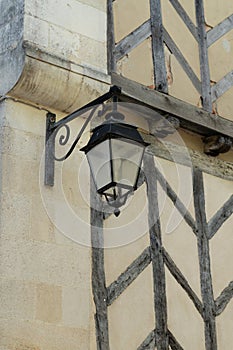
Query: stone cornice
(30, 73)
(51, 81)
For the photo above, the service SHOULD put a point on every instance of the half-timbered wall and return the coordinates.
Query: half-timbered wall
(159, 283)
(197, 51)
(171, 288)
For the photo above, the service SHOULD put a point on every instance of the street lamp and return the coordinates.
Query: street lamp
(114, 152)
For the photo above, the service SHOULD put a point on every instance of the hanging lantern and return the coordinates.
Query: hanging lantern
(115, 152)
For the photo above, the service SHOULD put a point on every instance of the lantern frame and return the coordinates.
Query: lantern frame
(127, 134)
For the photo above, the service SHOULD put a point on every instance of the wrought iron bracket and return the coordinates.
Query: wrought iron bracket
(49, 150)
(53, 127)
(136, 94)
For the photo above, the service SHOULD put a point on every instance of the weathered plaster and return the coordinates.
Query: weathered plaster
(12, 55)
(55, 83)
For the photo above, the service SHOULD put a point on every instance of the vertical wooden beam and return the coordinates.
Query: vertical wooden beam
(160, 74)
(203, 55)
(204, 261)
(98, 274)
(111, 60)
(160, 302)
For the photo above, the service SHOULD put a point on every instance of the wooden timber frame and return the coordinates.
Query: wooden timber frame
(154, 28)
(200, 121)
(209, 308)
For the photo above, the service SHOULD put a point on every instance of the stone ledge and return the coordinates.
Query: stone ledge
(53, 82)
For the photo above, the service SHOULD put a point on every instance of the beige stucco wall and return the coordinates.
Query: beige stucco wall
(45, 289)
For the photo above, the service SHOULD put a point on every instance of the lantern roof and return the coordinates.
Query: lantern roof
(109, 130)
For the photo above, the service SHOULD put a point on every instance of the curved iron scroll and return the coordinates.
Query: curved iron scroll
(63, 139)
(53, 127)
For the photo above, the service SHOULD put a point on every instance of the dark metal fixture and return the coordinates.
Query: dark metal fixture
(114, 152)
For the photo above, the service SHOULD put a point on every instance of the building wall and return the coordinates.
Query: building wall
(137, 65)
(47, 302)
(45, 277)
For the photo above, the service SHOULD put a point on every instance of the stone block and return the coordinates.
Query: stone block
(20, 143)
(48, 303)
(57, 88)
(26, 346)
(75, 306)
(99, 4)
(15, 215)
(37, 335)
(60, 238)
(36, 31)
(41, 227)
(46, 263)
(68, 47)
(72, 15)
(20, 176)
(25, 118)
(17, 299)
(93, 86)
(93, 53)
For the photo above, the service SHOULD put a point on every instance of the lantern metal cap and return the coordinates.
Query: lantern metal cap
(114, 130)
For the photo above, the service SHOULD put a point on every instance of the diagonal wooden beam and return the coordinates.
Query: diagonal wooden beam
(149, 343)
(179, 277)
(177, 202)
(219, 30)
(173, 342)
(222, 86)
(182, 61)
(220, 217)
(132, 40)
(224, 298)
(185, 18)
(117, 287)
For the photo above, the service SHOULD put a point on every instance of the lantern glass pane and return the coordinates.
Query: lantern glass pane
(99, 161)
(126, 159)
